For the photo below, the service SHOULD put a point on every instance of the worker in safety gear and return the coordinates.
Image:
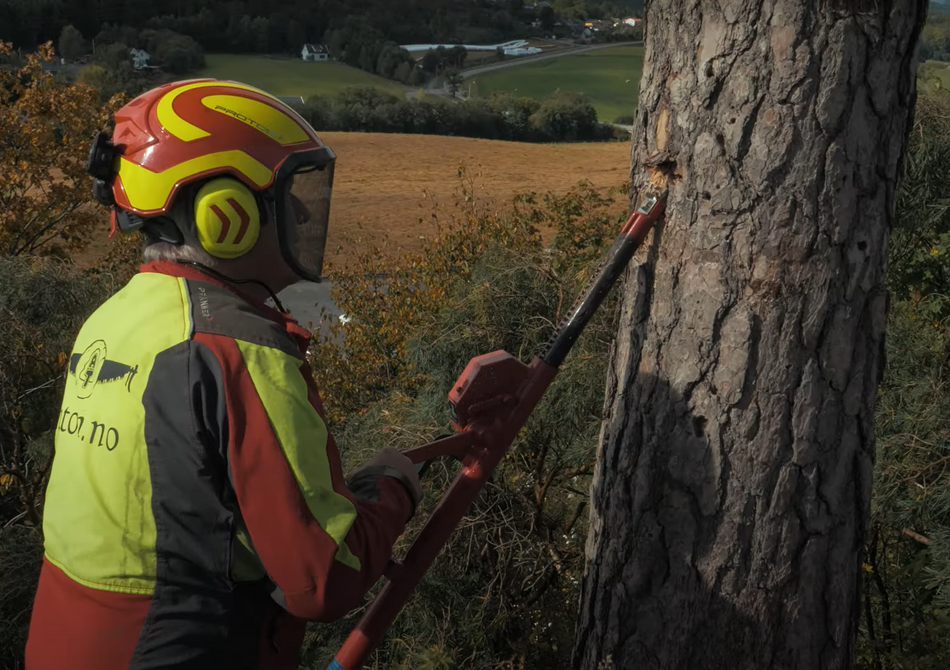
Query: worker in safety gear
(197, 515)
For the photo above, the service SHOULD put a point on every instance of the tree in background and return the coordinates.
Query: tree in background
(366, 61)
(561, 118)
(94, 76)
(437, 61)
(575, 9)
(453, 80)
(404, 72)
(296, 36)
(389, 60)
(111, 34)
(175, 53)
(418, 76)
(732, 490)
(430, 61)
(112, 55)
(45, 131)
(260, 29)
(547, 17)
(223, 27)
(71, 43)
(566, 117)
(456, 57)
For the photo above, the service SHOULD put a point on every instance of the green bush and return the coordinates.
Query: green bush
(562, 118)
(566, 117)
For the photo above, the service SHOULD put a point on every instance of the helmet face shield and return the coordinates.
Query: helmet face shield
(304, 186)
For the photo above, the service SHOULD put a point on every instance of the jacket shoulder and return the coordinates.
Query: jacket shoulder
(217, 311)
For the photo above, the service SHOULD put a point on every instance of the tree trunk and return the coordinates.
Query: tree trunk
(732, 491)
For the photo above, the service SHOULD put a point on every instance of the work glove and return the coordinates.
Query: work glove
(388, 462)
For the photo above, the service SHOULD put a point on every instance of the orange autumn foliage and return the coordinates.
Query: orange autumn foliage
(46, 128)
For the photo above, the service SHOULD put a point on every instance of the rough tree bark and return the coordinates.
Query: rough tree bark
(732, 490)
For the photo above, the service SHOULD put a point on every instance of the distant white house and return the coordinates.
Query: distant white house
(632, 22)
(140, 59)
(314, 52)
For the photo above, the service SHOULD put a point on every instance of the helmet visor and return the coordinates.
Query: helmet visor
(304, 215)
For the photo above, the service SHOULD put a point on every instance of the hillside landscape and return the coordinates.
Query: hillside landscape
(290, 76)
(714, 437)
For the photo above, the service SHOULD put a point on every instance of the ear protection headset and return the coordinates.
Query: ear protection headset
(227, 218)
(227, 215)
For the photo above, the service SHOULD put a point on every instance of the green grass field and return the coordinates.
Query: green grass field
(610, 77)
(286, 76)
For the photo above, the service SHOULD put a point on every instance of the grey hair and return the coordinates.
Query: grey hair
(163, 251)
(191, 250)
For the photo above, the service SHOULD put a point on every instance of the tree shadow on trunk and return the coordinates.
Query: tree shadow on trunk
(672, 565)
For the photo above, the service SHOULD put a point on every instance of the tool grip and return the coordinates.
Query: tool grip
(424, 466)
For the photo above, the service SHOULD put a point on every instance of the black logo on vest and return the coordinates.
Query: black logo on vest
(91, 368)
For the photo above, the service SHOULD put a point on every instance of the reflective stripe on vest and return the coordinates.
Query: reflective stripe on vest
(299, 429)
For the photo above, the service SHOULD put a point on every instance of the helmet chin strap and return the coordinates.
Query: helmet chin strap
(218, 275)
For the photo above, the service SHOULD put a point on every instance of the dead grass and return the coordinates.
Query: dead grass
(386, 186)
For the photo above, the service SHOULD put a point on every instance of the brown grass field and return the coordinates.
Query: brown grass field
(385, 184)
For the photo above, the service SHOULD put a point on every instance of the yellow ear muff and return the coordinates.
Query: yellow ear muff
(227, 218)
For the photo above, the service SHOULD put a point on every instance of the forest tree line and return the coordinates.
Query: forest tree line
(255, 26)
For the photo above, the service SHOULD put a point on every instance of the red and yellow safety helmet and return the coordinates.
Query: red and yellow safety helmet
(199, 129)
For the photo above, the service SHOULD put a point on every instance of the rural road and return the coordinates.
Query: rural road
(521, 60)
(482, 69)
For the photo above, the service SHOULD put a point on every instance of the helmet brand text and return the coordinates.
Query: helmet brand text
(249, 121)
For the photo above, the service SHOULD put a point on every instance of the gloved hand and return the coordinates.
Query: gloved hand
(388, 462)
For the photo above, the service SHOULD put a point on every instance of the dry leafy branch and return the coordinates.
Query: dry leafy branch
(45, 132)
